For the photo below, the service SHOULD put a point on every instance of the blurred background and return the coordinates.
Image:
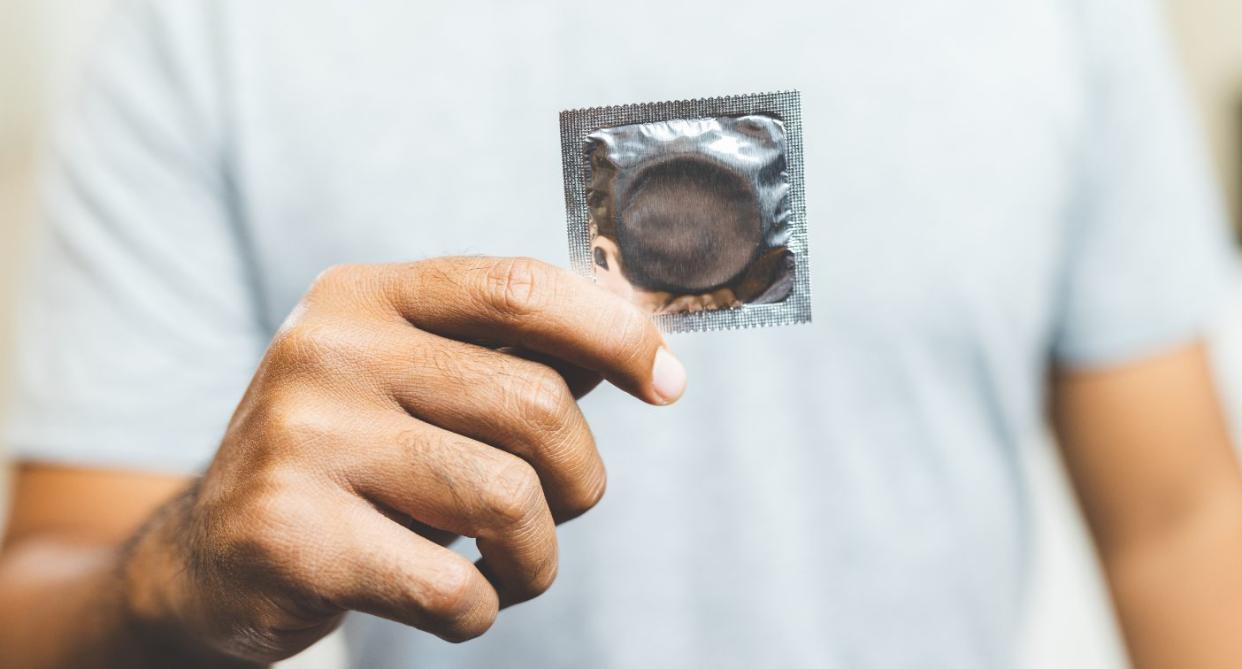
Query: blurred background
(41, 42)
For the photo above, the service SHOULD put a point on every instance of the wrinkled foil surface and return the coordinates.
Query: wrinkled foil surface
(693, 210)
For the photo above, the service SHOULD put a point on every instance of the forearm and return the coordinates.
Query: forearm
(1178, 591)
(69, 604)
(64, 607)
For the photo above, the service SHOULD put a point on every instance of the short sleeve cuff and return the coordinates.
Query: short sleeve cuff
(184, 452)
(1148, 327)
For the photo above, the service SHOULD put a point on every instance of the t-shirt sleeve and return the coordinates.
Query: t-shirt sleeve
(139, 327)
(1148, 256)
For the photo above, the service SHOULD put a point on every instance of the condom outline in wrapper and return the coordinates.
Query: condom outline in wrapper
(695, 210)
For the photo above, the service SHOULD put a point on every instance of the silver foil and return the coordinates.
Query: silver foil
(694, 210)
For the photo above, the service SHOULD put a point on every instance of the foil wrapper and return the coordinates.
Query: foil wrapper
(694, 210)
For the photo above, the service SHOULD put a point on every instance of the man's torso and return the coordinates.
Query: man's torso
(815, 500)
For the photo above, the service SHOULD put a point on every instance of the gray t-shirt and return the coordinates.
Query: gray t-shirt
(993, 187)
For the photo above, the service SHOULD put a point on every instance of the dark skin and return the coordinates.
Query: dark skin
(372, 414)
(1148, 450)
(356, 426)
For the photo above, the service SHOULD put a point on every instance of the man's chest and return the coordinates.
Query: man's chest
(939, 138)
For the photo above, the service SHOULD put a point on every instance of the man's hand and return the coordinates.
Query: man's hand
(383, 406)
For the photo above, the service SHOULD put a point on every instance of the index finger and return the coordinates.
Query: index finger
(530, 304)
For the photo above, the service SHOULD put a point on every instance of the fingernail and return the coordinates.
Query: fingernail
(668, 376)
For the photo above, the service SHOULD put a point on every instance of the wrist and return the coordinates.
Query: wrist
(148, 588)
(149, 570)
(163, 609)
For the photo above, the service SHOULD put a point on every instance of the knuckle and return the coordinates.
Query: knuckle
(543, 582)
(592, 492)
(515, 285)
(546, 401)
(514, 496)
(317, 346)
(453, 606)
(301, 345)
(357, 285)
(288, 349)
(540, 582)
(335, 277)
(339, 289)
(410, 440)
(451, 593)
(294, 422)
(284, 440)
(431, 447)
(432, 359)
(537, 582)
(586, 495)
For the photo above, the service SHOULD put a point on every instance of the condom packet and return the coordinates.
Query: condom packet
(694, 210)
